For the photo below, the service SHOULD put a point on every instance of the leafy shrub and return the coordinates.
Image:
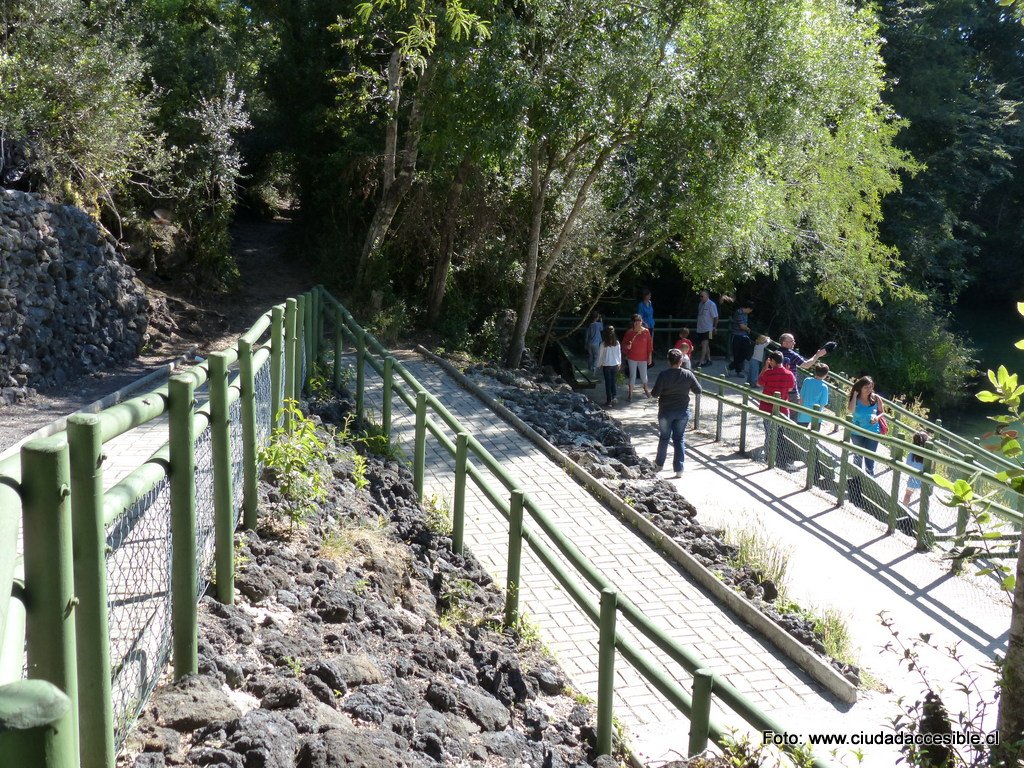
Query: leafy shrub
(294, 456)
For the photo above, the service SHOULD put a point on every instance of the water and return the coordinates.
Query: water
(993, 329)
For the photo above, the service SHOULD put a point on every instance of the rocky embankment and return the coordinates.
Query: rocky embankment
(360, 639)
(68, 302)
(588, 435)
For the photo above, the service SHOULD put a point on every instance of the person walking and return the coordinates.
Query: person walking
(814, 395)
(609, 360)
(742, 346)
(867, 410)
(673, 388)
(638, 347)
(593, 340)
(707, 322)
(646, 309)
(916, 461)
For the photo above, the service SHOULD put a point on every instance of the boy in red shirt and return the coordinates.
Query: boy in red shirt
(775, 380)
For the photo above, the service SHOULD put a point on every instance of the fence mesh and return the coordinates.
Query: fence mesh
(788, 444)
(139, 603)
(264, 419)
(237, 455)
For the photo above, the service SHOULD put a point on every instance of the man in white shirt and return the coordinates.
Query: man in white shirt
(707, 322)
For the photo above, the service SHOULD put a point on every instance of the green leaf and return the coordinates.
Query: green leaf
(1009, 583)
(1019, 344)
(942, 482)
(1020, 307)
(962, 488)
(1011, 449)
(987, 397)
(993, 377)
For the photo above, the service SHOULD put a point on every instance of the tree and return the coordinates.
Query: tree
(417, 40)
(744, 134)
(75, 122)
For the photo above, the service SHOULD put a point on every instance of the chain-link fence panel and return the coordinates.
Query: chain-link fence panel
(139, 603)
(264, 418)
(205, 516)
(237, 453)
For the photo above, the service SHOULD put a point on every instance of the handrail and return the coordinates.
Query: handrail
(682, 655)
(971, 449)
(902, 447)
(78, 661)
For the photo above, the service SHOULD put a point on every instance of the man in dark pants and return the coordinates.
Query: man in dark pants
(742, 346)
(673, 388)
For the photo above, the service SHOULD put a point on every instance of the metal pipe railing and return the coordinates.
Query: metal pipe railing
(661, 681)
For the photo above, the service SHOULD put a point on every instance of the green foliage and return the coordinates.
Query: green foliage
(295, 457)
(439, 515)
(928, 713)
(319, 382)
(758, 552)
(74, 116)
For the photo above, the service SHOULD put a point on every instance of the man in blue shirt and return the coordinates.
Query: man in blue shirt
(646, 310)
(794, 360)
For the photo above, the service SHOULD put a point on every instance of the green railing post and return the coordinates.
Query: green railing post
(812, 458)
(339, 348)
(247, 379)
(49, 573)
(360, 372)
(606, 670)
(224, 514)
(696, 412)
(844, 467)
(301, 345)
(291, 356)
(924, 538)
(308, 333)
(894, 500)
(515, 556)
(184, 566)
(276, 361)
(721, 408)
(321, 314)
(420, 451)
(35, 726)
(772, 436)
(459, 501)
(700, 716)
(743, 423)
(314, 324)
(388, 397)
(96, 715)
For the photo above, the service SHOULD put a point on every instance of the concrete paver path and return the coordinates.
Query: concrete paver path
(657, 730)
(841, 558)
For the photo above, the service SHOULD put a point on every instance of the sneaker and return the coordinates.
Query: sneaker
(678, 474)
(660, 467)
(705, 364)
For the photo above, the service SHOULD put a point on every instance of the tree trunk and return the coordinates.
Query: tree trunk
(1011, 698)
(526, 301)
(395, 184)
(439, 281)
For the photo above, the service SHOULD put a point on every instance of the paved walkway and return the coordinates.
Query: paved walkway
(657, 730)
(842, 558)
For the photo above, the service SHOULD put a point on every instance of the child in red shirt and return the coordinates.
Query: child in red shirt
(775, 380)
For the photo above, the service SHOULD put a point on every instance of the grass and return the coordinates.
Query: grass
(348, 544)
(439, 516)
(761, 553)
(771, 561)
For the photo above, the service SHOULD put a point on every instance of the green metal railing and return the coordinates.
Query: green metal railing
(56, 617)
(833, 470)
(511, 502)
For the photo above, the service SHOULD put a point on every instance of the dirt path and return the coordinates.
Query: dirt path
(181, 323)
